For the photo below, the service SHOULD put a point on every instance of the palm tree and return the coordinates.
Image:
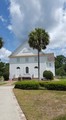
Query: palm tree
(38, 39)
(1, 42)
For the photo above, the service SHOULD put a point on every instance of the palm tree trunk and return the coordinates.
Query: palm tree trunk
(38, 65)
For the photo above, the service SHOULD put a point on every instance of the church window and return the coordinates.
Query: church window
(27, 69)
(26, 59)
(35, 58)
(18, 60)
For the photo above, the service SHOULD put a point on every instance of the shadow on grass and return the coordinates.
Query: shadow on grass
(63, 117)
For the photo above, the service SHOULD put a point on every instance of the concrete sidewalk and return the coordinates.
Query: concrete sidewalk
(9, 108)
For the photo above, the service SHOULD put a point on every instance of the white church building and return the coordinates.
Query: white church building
(24, 62)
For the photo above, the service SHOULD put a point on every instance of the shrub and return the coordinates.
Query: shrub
(56, 85)
(29, 78)
(27, 85)
(48, 75)
(19, 78)
(1, 78)
(6, 75)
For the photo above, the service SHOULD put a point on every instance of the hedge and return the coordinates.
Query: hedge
(27, 85)
(49, 85)
(54, 85)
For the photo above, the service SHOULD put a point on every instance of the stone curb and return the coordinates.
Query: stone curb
(21, 114)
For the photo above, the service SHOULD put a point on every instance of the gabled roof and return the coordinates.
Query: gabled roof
(12, 54)
(25, 51)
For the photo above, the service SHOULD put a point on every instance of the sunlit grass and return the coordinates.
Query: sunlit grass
(42, 104)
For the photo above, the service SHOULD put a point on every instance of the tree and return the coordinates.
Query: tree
(1, 42)
(60, 61)
(60, 65)
(60, 71)
(38, 39)
(64, 66)
(1, 68)
(4, 70)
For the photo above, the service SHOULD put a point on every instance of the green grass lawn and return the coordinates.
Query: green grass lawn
(2, 82)
(42, 104)
(7, 83)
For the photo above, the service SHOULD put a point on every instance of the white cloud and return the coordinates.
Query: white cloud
(2, 19)
(9, 27)
(4, 53)
(51, 15)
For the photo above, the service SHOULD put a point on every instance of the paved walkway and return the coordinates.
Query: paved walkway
(9, 108)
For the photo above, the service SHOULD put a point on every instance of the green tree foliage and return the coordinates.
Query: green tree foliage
(1, 63)
(1, 68)
(38, 39)
(60, 65)
(60, 71)
(4, 70)
(1, 42)
(60, 61)
(64, 66)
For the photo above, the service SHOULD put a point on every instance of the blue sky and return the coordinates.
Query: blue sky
(5, 20)
(19, 17)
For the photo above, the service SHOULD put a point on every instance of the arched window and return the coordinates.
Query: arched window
(27, 70)
(18, 68)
